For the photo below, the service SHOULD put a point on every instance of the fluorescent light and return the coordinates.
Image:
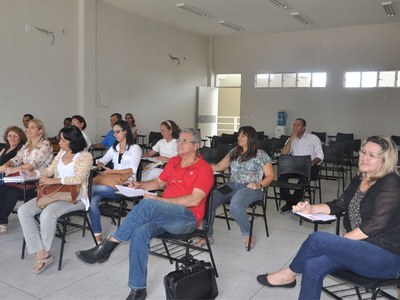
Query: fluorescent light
(195, 10)
(231, 25)
(279, 4)
(389, 9)
(299, 18)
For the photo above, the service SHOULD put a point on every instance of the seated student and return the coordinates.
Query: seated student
(15, 138)
(187, 179)
(125, 155)
(71, 166)
(131, 121)
(54, 140)
(251, 171)
(26, 119)
(37, 153)
(80, 122)
(166, 148)
(109, 139)
(371, 245)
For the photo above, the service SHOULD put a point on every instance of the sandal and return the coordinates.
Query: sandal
(202, 242)
(3, 228)
(42, 264)
(246, 242)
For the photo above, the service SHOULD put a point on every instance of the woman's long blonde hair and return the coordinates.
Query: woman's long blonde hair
(39, 125)
(388, 154)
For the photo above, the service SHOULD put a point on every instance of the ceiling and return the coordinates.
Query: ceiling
(261, 16)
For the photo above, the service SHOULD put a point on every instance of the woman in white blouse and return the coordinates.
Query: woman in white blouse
(166, 148)
(125, 155)
(71, 166)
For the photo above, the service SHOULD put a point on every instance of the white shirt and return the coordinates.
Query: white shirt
(87, 139)
(309, 144)
(130, 159)
(166, 149)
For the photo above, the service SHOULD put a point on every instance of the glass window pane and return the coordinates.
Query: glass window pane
(304, 80)
(228, 80)
(289, 80)
(262, 80)
(275, 80)
(352, 79)
(368, 79)
(387, 79)
(318, 79)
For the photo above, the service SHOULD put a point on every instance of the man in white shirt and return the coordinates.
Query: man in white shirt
(300, 143)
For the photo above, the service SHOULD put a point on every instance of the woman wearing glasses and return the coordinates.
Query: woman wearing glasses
(125, 156)
(371, 245)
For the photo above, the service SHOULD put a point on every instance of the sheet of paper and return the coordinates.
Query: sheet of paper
(316, 217)
(130, 192)
(152, 159)
(19, 179)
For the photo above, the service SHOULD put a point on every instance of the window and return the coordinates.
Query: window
(228, 80)
(291, 80)
(371, 79)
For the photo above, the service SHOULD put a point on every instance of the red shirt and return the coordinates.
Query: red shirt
(181, 182)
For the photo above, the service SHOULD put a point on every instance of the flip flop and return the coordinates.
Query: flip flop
(42, 264)
(246, 242)
(202, 242)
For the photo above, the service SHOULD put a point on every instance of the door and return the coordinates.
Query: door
(207, 110)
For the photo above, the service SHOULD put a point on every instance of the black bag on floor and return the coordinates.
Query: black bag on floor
(193, 280)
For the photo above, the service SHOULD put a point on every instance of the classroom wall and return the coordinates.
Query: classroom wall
(332, 109)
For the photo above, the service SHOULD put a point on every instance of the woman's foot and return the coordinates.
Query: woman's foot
(43, 260)
(3, 228)
(202, 241)
(283, 278)
(246, 242)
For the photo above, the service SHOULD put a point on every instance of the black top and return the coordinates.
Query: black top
(5, 157)
(379, 209)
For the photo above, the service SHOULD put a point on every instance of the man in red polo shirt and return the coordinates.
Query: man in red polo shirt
(187, 179)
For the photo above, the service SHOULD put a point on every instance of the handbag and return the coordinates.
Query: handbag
(193, 280)
(48, 194)
(112, 179)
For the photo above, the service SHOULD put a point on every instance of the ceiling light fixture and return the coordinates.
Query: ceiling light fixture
(389, 9)
(299, 18)
(195, 10)
(279, 4)
(231, 25)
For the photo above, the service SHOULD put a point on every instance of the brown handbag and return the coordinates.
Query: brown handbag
(48, 194)
(112, 179)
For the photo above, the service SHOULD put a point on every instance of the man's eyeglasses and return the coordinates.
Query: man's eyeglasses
(183, 141)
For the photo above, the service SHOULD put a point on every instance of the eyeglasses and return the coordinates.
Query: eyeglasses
(183, 141)
(369, 155)
(118, 131)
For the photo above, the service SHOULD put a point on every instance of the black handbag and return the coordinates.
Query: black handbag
(193, 280)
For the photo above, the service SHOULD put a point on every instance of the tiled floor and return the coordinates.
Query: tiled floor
(237, 267)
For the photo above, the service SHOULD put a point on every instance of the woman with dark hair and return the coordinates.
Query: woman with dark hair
(125, 156)
(251, 171)
(80, 122)
(71, 166)
(37, 153)
(15, 138)
(131, 121)
(371, 245)
(167, 147)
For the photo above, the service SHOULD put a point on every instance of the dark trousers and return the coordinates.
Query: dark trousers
(9, 197)
(297, 195)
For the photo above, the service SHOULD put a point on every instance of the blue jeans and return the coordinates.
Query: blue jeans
(147, 220)
(240, 198)
(99, 192)
(323, 253)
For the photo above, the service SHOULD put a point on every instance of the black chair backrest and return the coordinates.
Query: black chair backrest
(139, 171)
(211, 155)
(290, 164)
(223, 149)
(320, 135)
(209, 209)
(277, 144)
(228, 138)
(344, 136)
(260, 135)
(154, 137)
(215, 140)
(266, 145)
(333, 154)
(347, 146)
(356, 145)
(396, 139)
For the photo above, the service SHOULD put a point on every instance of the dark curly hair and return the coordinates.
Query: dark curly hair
(80, 119)
(252, 145)
(171, 125)
(74, 135)
(18, 131)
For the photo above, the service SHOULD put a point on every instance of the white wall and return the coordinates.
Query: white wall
(104, 51)
(36, 77)
(135, 72)
(332, 109)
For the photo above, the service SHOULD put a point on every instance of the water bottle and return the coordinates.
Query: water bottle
(281, 118)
